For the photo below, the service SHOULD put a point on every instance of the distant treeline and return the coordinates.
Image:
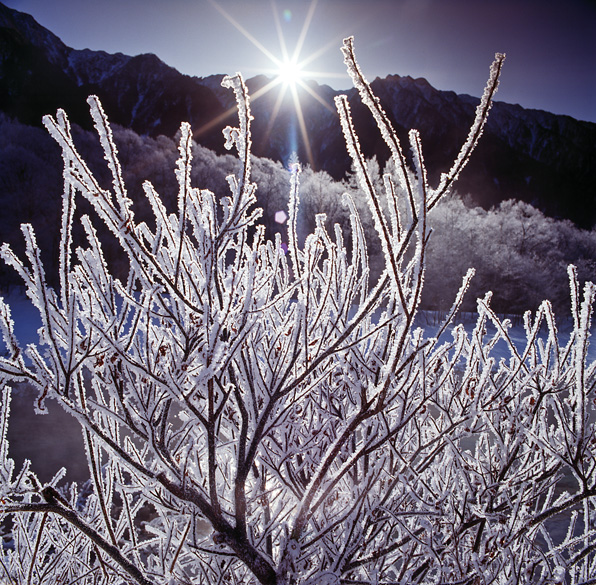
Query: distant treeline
(518, 252)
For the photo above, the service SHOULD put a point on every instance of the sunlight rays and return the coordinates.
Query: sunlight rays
(244, 32)
(288, 70)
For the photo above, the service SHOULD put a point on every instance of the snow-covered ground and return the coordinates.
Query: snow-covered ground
(430, 321)
(25, 316)
(27, 322)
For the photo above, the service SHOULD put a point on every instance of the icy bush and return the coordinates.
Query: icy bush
(277, 418)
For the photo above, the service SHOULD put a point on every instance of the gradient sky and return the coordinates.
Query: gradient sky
(550, 44)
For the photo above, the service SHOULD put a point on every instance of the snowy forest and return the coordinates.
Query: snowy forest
(256, 399)
(518, 252)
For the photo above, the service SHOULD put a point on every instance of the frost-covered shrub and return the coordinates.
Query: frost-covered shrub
(277, 418)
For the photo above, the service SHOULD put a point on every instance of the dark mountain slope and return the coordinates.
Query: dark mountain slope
(39, 74)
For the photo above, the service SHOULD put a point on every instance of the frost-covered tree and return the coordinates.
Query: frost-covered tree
(278, 419)
(513, 247)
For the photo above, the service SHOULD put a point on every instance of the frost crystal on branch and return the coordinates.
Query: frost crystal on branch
(252, 417)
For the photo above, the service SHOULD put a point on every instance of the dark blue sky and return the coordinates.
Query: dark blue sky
(550, 44)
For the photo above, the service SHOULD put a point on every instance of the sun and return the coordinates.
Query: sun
(289, 69)
(290, 72)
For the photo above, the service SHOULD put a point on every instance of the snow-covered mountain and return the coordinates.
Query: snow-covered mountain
(536, 156)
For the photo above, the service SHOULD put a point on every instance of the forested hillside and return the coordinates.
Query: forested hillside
(518, 252)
